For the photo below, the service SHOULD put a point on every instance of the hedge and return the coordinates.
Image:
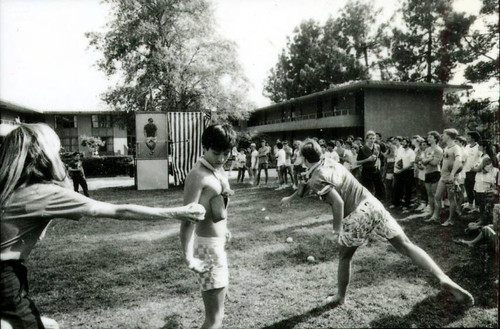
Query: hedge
(108, 166)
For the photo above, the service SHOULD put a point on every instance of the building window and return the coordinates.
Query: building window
(319, 108)
(66, 121)
(101, 121)
(69, 144)
(107, 148)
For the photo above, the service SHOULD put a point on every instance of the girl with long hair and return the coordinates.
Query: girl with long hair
(34, 190)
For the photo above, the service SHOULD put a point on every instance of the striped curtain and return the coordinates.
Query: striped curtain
(185, 129)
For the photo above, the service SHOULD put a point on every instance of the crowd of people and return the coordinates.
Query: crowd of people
(417, 173)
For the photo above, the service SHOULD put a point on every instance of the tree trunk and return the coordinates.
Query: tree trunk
(428, 78)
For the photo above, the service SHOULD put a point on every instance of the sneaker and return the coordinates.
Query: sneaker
(475, 209)
(448, 223)
(421, 207)
(431, 220)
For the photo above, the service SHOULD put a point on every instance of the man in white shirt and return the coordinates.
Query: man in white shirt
(254, 162)
(403, 174)
(280, 164)
(473, 156)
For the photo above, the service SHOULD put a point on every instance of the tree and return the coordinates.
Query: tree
(482, 46)
(482, 55)
(431, 43)
(93, 143)
(169, 57)
(312, 61)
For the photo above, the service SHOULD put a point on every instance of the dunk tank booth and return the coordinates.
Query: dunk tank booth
(166, 139)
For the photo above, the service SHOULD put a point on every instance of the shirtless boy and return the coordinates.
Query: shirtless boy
(203, 243)
(452, 163)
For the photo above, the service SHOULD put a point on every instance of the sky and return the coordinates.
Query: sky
(46, 64)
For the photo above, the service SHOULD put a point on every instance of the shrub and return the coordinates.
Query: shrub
(109, 166)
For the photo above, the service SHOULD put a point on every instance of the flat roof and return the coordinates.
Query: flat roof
(4, 105)
(81, 112)
(375, 84)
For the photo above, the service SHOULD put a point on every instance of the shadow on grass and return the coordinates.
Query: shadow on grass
(296, 319)
(433, 312)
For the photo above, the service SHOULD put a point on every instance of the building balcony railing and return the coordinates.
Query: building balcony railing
(9, 122)
(312, 116)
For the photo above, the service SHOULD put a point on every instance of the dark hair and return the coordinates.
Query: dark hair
(474, 135)
(435, 134)
(462, 140)
(311, 151)
(279, 145)
(330, 143)
(218, 138)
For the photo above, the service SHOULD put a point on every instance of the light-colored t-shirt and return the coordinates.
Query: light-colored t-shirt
(473, 155)
(331, 155)
(29, 210)
(298, 159)
(486, 182)
(331, 174)
(280, 157)
(435, 155)
(255, 158)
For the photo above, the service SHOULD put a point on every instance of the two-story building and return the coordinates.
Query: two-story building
(70, 126)
(391, 108)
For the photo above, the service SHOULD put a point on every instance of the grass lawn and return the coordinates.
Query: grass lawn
(129, 274)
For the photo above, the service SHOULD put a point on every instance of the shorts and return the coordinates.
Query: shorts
(370, 216)
(212, 250)
(432, 177)
(15, 306)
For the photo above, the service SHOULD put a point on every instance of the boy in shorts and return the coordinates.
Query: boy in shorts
(452, 164)
(356, 214)
(203, 243)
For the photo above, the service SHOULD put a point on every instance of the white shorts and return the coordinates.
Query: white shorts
(212, 250)
(370, 216)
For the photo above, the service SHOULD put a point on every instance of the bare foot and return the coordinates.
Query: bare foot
(458, 292)
(335, 299)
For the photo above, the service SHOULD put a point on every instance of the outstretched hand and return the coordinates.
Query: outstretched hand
(192, 212)
(199, 266)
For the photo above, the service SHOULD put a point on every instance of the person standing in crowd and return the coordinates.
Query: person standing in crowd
(354, 167)
(288, 161)
(298, 162)
(404, 174)
(452, 163)
(340, 150)
(431, 160)
(281, 166)
(370, 174)
(248, 164)
(264, 152)
(34, 191)
(77, 174)
(254, 161)
(241, 165)
(460, 177)
(473, 155)
(330, 152)
(388, 172)
(486, 186)
(420, 174)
